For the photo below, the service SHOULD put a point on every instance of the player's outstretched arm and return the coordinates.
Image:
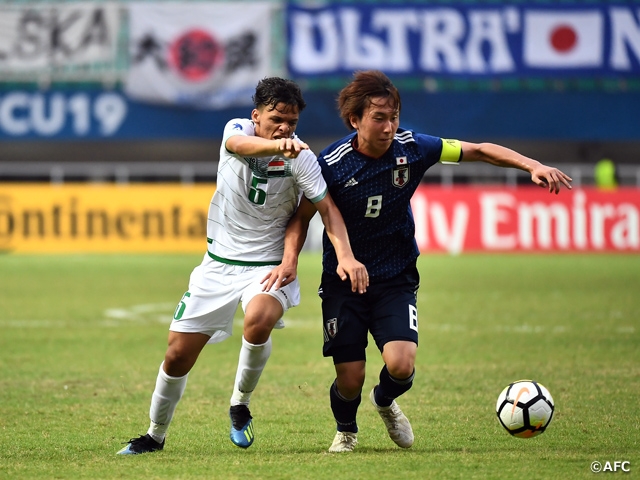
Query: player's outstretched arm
(294, 237)
(348, 266)
(253, 146)
(542, 175)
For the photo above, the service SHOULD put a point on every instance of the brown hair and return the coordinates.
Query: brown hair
(356, 96)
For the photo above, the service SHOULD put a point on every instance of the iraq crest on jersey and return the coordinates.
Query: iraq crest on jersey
(274, 167)
(401, 173)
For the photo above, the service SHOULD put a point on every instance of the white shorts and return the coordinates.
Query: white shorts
(216, 289)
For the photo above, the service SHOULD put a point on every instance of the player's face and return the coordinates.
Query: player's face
(280, 122)
(377, 126)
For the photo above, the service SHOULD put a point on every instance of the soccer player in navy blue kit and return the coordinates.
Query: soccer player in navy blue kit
(372, 174)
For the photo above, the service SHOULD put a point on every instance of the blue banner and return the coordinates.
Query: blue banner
(110, 115)
(102, 114)
(466, 40)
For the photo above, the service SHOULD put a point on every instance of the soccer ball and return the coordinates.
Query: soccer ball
(525, 408)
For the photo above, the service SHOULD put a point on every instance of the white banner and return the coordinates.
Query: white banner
(208, 55)
(43, 35)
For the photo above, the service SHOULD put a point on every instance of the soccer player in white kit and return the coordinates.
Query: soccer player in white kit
(264, 171)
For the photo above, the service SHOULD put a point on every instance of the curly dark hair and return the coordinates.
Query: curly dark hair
(356, 96)
(271, 91)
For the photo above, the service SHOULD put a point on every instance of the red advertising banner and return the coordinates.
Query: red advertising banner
(526, 219)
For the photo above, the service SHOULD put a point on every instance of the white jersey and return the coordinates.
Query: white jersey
(254, 200)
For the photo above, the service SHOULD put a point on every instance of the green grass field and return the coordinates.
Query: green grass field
(83, 336)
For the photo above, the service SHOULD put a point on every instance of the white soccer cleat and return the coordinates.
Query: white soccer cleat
(396, 422)
(344, 442)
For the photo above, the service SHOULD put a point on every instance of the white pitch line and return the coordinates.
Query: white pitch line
(34, 323)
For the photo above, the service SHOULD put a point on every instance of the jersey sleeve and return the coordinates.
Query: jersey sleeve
(237, 126)
(309, 177)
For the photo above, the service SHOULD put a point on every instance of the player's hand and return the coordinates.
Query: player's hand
(550, 177)
(290, 147)
(357, 272)
(279, 277)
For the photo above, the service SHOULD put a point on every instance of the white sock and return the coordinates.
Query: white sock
(165, 398)
(251, 363)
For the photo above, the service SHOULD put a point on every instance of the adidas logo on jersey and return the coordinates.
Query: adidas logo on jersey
(351, 183)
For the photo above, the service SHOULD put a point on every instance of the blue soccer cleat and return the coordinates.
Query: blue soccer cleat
(142, 444)
(242, 433)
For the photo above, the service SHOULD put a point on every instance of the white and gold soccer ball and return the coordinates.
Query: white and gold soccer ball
(525, 408)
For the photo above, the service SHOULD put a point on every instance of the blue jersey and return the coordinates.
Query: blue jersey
(374, 198)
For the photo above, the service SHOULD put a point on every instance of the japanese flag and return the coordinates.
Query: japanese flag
(563, 39)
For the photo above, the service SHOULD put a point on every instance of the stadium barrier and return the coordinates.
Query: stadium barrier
(186, 172)
(171, 218)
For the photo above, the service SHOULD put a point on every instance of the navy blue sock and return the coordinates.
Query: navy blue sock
(344, 410)
(391, 388)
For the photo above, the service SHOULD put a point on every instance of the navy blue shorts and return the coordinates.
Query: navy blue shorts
(387, 310)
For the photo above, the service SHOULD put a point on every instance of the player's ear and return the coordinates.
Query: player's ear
(354, 121)
(255, 115)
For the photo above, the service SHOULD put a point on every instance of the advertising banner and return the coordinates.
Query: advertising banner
(104, 218)
(64, 114)
(465, 40)
(526, 219)
(206, 55)
(67, 114)
(172, 218)
(37, 36)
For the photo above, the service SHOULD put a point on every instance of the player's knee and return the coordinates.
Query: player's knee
(400, 358)
(257, 330)
(178, 362)
(350, 390)
(350, 385)
(401, 369)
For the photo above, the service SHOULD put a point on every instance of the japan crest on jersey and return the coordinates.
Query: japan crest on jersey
(331, 326)
(401, 174)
